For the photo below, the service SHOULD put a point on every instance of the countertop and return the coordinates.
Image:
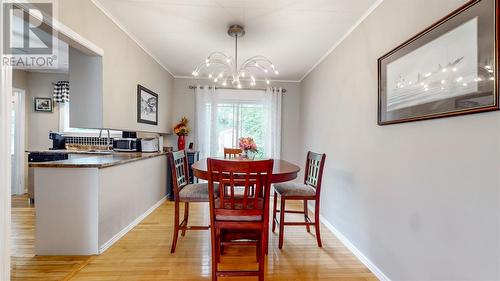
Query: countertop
(94, 160)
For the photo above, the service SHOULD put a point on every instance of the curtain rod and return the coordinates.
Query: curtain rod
(192, 87)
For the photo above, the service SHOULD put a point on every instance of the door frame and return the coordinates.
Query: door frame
(75, 40)
(20, 146)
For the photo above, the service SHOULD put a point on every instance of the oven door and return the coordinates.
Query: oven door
(123, 145)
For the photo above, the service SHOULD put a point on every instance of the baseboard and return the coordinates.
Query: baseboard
(124, 231)
(368, 263)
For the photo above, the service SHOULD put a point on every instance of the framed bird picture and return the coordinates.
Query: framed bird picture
(449, 69)
(147, 106)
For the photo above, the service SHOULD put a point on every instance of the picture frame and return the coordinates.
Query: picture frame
(448, 69)
(147, 106)
(43, 105)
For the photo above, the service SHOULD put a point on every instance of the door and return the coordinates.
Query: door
(17, 142)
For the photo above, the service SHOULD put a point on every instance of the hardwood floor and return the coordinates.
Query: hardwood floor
(144, 253)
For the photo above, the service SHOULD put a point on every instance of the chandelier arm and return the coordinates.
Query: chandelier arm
(218, 53)
(259, 68)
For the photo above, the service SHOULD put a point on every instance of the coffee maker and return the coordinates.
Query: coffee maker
(58, 141)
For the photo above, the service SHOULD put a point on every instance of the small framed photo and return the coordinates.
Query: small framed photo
(147, 106)
(42, 104)
(449, 69)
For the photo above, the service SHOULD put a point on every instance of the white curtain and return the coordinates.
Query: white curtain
(273, 98)
(205, 101)
(208, 99)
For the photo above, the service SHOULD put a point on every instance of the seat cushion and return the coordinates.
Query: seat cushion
(294, 189)
(239, 206)
(196, 192)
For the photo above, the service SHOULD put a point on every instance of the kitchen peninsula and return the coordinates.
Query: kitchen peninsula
(84, 204)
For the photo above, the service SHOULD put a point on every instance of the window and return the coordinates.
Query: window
(237, 120)
(65, 128)
(224, 116)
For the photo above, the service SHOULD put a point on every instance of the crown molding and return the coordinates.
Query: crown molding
(353, 27)
(120, 25)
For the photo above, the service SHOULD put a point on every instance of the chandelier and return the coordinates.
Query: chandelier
(224, 69)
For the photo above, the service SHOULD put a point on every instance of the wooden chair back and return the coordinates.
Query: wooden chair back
(231, 152)
(241, 205)
(180, 174)
(314, 170)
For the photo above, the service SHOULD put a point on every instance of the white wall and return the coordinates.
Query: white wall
(421, 200)
(125, 65)
(184, 105)
(39, 124)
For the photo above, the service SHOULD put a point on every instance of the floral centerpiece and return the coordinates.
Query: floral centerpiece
(247, 144)
(182, 130)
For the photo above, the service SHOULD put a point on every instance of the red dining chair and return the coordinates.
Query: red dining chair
(309, 190)
(239, 217)
(184, 192)
(231, 152)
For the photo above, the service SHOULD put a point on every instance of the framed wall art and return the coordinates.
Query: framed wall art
(147, 106)
(450, 68)
(43, 105)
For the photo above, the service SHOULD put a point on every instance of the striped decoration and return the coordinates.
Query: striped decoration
(61, 92)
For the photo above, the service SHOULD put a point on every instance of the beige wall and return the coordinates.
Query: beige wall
(421, 200)
(184, 105)
(38, 124)
(125, 65)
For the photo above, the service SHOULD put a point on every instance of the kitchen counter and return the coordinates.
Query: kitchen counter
(88, 202)
(95, 160)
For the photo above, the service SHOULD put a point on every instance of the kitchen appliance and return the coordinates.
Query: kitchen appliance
(127, 144)
(129, 135)
(150, 145)
(58, 141)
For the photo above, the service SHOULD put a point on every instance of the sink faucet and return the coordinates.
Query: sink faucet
(109, 144)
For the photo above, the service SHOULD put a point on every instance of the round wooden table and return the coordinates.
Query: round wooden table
(282, 171)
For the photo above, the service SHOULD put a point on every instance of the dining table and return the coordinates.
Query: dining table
(283, 171)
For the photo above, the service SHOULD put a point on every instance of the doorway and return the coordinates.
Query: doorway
(17, 149)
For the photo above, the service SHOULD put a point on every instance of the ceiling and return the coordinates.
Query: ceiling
(294, 34)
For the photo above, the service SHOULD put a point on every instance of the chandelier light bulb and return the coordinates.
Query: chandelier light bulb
(210, 75)
(243, 74)
(268, 82)
(216, 79)
(239, 86)
(220, 75)
(272, 66)
(265, 71)
(253, 78)
(276, 72)
(224, 83)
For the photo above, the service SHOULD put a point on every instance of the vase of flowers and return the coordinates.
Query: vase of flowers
(182, 130)
(247, 145)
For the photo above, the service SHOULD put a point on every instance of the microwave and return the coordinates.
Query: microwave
(126, 144)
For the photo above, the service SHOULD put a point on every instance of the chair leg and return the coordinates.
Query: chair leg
(262, 259)
(218, 246)
(317, 223)
(176, 227)
(274, 210)
(214, 256)
(282, 223)
(305, 216)
(186, 216)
